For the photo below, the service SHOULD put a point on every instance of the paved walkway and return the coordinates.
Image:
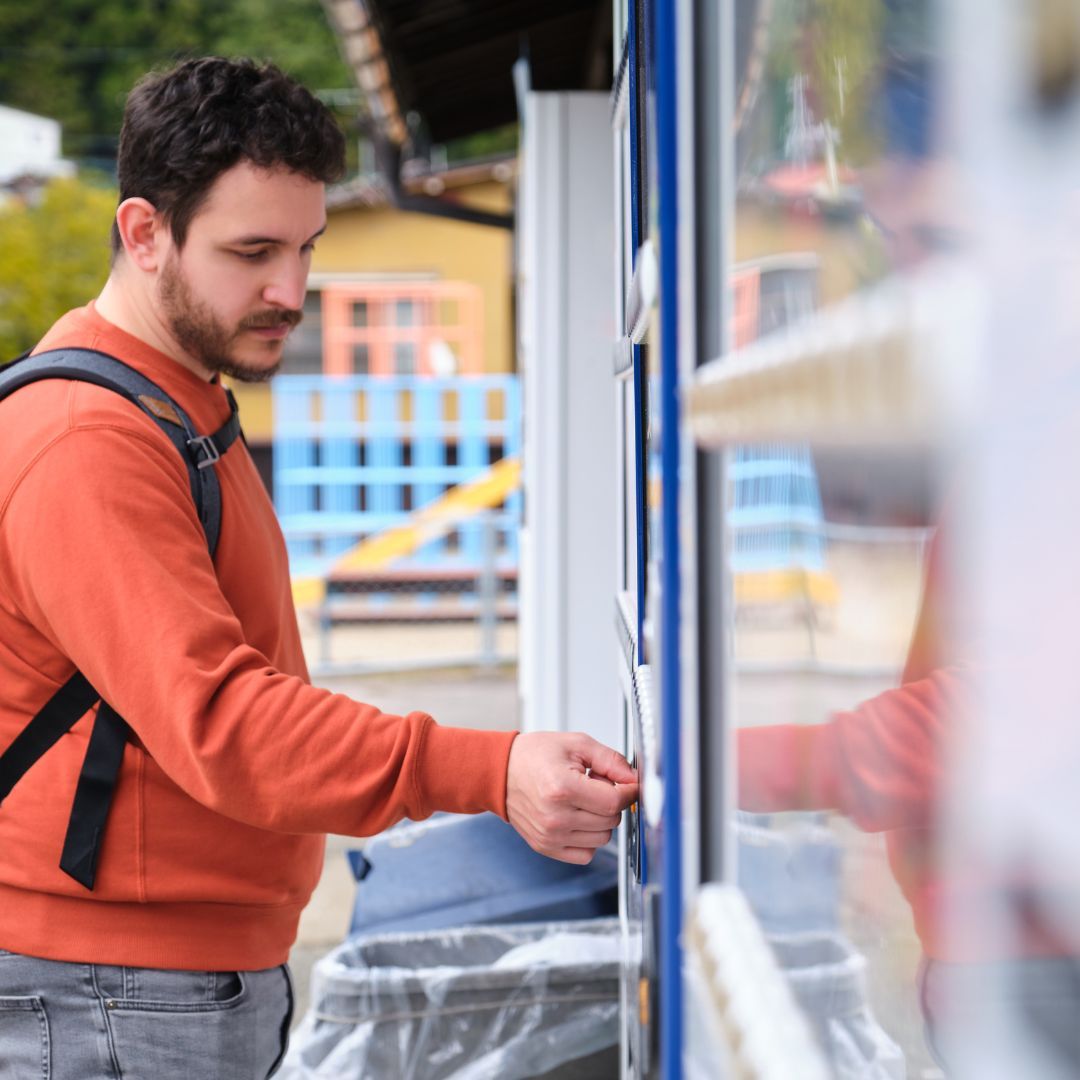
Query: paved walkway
(456, 698)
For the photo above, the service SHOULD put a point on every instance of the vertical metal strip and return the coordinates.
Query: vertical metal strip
(636, 163)
(671, 985)
(640, 389)
(713, 136)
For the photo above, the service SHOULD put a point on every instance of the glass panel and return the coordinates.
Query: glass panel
(838, 189)
(406, 314)
(838, 176)
(405, 358)
(302, 354)
(829, 561)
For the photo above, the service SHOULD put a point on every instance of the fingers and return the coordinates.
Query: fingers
(570, 821)
(584, 821)
(552, 837)
(557, 829)
(605, 762)
(599, 797)
(590, 839)
(559, 809)
(580, 856)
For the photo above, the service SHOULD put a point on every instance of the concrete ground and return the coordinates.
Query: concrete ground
(456, 697)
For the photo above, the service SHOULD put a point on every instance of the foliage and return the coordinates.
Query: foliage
(848, 63)
(54, 256)
(499, 142)
(838, 43)
(75, 60)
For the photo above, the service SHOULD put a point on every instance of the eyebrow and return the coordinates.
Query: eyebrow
(252, 241)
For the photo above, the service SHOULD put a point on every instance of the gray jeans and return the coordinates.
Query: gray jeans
(62, 1021)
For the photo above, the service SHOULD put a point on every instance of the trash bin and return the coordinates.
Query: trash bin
(791, 876)
(473, 1003)
(460, 870)
(828, 978)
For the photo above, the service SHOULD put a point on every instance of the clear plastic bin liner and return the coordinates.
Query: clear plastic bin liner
(474, 1003)
(828, 978)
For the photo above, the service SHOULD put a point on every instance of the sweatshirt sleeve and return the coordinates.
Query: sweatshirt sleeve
(880, 764)
(104, 556)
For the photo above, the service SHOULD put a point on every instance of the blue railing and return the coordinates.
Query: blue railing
(775, 514)
(354, 455)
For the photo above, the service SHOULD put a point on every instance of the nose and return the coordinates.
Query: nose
(287, 288)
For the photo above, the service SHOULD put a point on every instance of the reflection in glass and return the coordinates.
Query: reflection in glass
(303, 353)
(837, 189)
(828, 580)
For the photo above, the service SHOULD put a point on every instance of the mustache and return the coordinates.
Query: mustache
(272, 319)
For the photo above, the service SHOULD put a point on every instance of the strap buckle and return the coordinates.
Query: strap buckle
(203, 445)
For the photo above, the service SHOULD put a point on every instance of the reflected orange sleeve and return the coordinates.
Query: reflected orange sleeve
(880, 764)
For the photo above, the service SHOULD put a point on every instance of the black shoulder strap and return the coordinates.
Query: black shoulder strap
(105, 750)
(198, 452)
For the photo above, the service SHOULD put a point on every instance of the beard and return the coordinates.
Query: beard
(205, 337)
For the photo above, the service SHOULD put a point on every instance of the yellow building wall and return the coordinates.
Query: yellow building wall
(849, 259)
(382, 240)
(388, 241)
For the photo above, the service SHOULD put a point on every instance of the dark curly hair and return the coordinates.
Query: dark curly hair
(186, 126)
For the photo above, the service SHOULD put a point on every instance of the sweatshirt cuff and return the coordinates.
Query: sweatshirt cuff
(463, 771)
(789, 767)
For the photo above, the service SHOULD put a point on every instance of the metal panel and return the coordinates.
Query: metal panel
(566, 296)
(670, 659)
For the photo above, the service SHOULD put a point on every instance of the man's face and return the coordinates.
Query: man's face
(232, 293)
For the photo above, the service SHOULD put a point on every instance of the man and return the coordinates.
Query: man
(173, 965)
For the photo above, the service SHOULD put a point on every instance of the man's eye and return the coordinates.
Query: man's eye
(252, 256)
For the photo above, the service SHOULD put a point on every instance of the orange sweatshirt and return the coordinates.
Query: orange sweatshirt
(238, 766)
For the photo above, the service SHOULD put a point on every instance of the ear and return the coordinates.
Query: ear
(141, 232)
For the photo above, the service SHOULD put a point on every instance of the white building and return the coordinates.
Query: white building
(30, 146)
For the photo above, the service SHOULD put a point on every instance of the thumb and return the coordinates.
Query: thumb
(605, 762)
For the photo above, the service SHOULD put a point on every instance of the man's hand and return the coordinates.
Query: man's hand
(565, 793)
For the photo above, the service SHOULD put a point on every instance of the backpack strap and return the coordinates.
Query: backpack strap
(198, 452)
(105, 750)
(94, 795)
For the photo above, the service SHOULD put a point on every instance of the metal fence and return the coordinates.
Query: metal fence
(385, 493)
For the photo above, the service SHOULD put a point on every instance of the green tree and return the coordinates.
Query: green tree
(54, 256)
(848, 64)
(75, 60)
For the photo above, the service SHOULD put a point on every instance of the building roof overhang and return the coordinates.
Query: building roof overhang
(449, 63)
